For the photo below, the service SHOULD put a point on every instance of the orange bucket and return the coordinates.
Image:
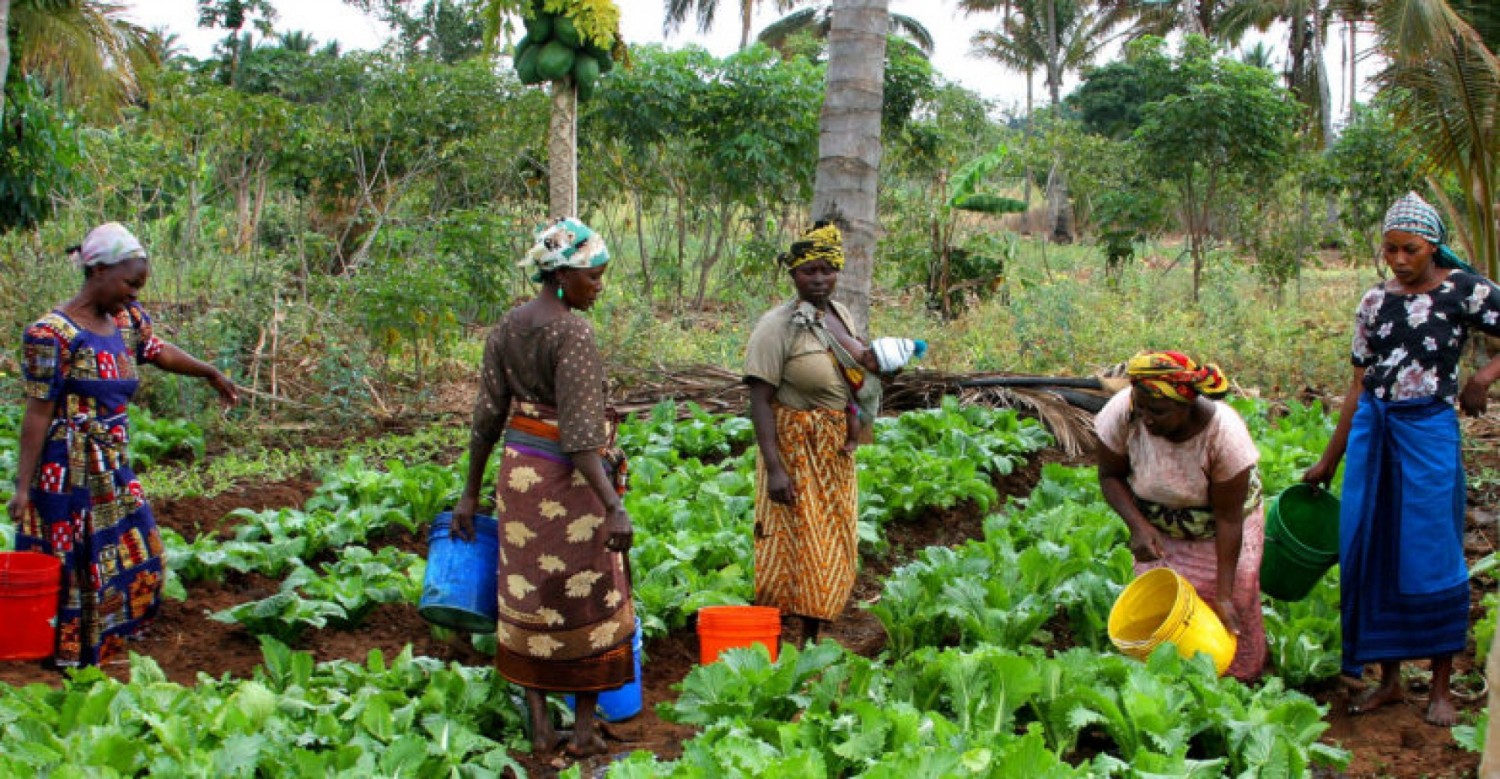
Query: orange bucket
(30, 584)
(727, 627)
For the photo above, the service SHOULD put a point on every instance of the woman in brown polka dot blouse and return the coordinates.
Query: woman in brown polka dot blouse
(566, 619)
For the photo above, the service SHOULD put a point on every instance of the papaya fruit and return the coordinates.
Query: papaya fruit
(585, 68)
(526, 65)
(554, 61)
(565, 33)
(601, 56)
(538, 28)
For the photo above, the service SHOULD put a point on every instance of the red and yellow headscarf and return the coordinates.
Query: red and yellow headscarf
(1174, 375)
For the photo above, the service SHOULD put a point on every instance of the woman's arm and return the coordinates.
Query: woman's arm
(481, 445)
(1475, 397)
(1227, 499)
(1114, 468)
(616, 521)
(175, 360)
(1322, 471)
(491, 410)
(34, 424)
(778, 483)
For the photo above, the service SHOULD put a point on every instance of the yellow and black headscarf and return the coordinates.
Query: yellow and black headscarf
(1174, 375)
(823, 242)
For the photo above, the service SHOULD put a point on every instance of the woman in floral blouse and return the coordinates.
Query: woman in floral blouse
(1405, 587)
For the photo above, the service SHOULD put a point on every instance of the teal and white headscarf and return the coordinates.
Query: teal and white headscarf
(564, 243)
(1412, 214)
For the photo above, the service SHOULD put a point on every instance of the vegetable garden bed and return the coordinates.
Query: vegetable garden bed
(981, 640)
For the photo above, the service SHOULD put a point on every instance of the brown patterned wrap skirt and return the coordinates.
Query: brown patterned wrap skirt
(566, 618)
(806, 553)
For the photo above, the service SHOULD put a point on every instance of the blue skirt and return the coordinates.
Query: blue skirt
(1404, 584)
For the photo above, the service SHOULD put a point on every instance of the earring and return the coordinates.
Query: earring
(559, 293)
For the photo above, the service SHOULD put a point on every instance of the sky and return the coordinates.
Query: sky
(641, 22)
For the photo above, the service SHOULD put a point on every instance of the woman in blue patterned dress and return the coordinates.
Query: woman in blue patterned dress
(1404, 585)
(76, 496)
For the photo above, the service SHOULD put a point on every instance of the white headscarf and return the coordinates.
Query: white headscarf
(108, 244)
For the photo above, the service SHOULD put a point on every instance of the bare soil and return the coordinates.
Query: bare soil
(1393, 741)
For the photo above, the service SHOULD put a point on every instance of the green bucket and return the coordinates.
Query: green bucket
(1302, 541)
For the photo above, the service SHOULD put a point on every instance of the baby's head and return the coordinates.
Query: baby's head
(867, 359)
(888, 355)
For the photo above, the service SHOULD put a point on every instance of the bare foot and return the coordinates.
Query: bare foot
(1353, 683)
(1376, 698)
(585, 746)
(1440, 712)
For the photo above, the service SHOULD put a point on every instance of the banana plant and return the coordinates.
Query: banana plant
(963, 193)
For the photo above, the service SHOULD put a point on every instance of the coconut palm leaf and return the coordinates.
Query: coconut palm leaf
(1444, 85)
(705, 11)
(818, 21)
(82, 50)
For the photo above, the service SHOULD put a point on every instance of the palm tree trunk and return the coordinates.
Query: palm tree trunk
(1353, 66)
(562, 150)
(1026, 193)
(1192, 23)
(1059, 215)
(849, 149)
(4, 52)
(747, 16)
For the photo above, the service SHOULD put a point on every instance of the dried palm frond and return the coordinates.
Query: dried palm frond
(1073, 427)
(1064, 405)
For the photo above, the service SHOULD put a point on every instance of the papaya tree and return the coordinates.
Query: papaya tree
(568, 44)
(1223, 124)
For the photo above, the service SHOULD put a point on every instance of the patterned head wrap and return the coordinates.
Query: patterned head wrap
(823, 242)
(107, 244)
(1174, 375)
(564, 243)
(1412, 214)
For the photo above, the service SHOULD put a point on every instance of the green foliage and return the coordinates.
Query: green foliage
(407, 716)
(1372, 166)
(341, 597)
(153, 438)
(956, 448)
(1221, 124)
(990, 711)
(40, 157)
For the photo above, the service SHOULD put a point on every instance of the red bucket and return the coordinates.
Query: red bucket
(29, 587)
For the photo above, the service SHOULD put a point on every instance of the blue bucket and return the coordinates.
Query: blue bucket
(624, 702)
(458, 591)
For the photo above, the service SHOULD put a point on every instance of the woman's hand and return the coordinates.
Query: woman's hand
(1228, 614)
(463, 517)
(19, 505)
(1321, 473)
(1475, 397)
(779, 486)
(619, 534)
(228, 393)
(1146, 543)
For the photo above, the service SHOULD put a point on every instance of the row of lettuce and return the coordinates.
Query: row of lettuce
(998, 663)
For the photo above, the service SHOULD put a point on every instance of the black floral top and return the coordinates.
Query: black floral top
(1409, 345)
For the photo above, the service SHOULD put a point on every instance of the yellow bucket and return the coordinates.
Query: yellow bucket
(1160, 605)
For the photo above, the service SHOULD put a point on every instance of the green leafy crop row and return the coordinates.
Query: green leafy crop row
(988, 711)
(406, 717)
